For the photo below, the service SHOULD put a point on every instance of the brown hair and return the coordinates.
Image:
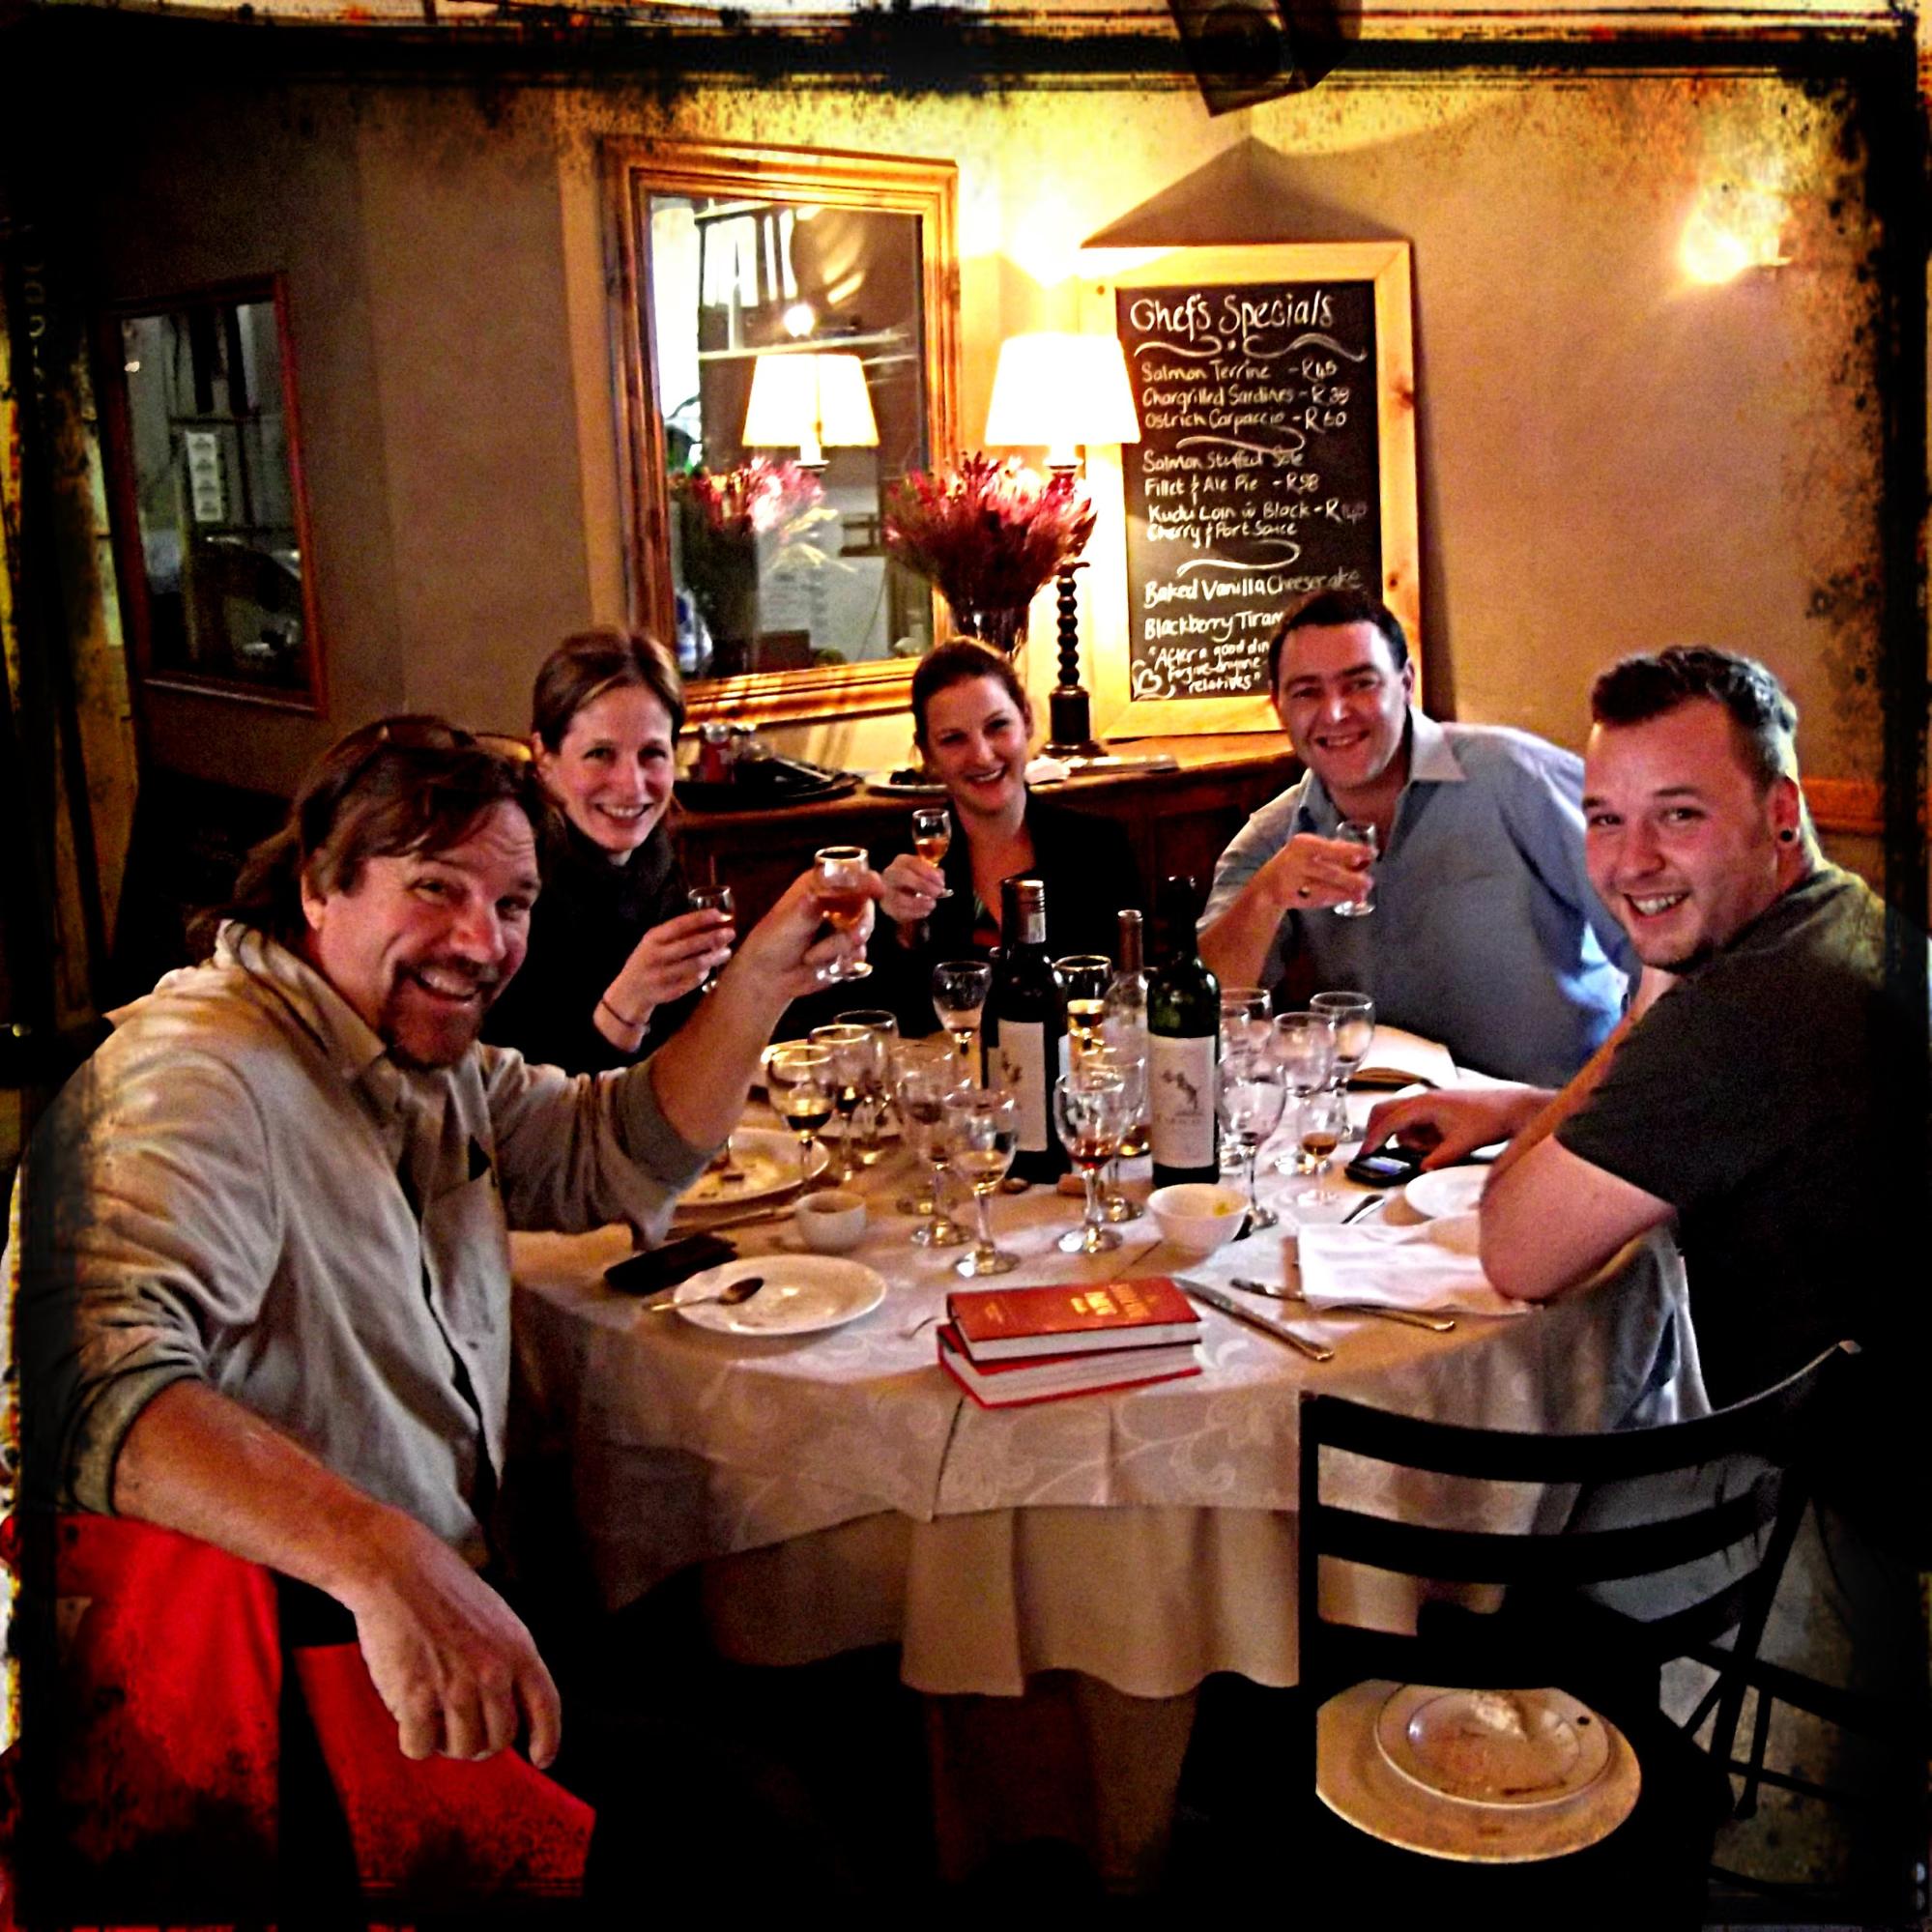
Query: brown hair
(402, 784)
(1763, 721)
(1327, 610)
(590, 662)
(959, 661)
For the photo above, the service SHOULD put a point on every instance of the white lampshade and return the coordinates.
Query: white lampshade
(810, 399)
(1062, 391)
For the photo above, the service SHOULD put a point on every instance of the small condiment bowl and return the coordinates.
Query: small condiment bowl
(1197, 1216)
(831, 1222)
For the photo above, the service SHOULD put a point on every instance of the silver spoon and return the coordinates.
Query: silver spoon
(1409, 1318)
(729, 1296)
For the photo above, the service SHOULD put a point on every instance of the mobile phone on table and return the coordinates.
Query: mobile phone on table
(1386, 1167)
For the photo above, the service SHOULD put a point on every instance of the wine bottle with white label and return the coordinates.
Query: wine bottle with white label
(1026, 1026)
(1183, 1044)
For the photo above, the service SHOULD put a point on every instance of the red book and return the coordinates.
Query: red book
(993, 1324)
(1044, 1378)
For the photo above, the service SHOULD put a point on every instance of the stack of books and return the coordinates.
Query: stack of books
(1009, 1345)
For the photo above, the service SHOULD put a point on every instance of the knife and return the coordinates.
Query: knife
(744, 1217)
(1220, 1298)
(1409, 1318)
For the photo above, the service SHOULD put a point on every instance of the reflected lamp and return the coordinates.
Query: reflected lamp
(810, 399)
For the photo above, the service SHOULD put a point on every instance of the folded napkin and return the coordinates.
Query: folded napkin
(1433, 1267)
(1048, 770)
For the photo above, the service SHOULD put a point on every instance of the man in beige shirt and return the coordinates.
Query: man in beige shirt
(263, 1243)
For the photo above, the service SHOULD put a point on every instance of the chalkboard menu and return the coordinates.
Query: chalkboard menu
(1256, 476)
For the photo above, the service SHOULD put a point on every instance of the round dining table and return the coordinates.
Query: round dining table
(838, 1490)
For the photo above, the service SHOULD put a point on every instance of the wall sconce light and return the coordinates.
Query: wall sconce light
(810, 399)
(1731, 229)
(1063, 391)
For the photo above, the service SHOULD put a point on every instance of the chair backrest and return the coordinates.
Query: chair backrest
(1747, 1455)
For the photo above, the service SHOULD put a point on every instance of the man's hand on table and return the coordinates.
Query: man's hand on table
(1452, 1124)
(451, 1662)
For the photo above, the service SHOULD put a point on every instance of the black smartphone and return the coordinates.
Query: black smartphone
(665, 1267)
(1386, 1167)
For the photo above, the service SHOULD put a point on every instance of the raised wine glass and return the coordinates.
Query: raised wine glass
(1087, 976)
(1323, 1128)
(1354, 1017)
(1304, 1049)
(933, 836)
(1090, 1111)
(1251, 1094)
(711, 899)
(842, 898)
(801, 1091)
(850, 1052)
(884, 1027)
(1359, 833)
(925, 1074)
(985, 1133)
(959, 997)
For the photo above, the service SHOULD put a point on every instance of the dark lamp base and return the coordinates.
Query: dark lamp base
(1070, 728)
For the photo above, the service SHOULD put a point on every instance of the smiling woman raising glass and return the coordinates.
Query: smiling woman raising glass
(974, 727)
(617, 955)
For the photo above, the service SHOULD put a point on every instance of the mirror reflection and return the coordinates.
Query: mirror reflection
(789, 364)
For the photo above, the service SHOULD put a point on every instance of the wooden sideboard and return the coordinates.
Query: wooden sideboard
(1179, 821)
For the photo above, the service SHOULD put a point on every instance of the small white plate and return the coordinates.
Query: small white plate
(801, 1294)
(1447, 1191)
(768, 1158)
(1507, 1747)
(897, 788)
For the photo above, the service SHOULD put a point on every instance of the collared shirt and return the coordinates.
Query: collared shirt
(243, 1187)
(1486, 934)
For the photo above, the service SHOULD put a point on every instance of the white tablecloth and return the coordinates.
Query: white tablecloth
(846, 1492)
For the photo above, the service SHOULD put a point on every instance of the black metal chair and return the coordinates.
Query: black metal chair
(1737, 1494)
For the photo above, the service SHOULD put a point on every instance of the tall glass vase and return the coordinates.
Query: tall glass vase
(1001, 628)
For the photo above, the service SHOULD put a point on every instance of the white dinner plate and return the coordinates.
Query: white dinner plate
(801, 1294)
(1447, 1191)
(899, 787)
(768, 1159)
(1507, 1747)
(1355, 1779)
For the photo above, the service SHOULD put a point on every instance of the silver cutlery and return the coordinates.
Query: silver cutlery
(1363, 1208)
(771, 1211)
(1219, 1298)
(729, 1296)
(1409, 1318)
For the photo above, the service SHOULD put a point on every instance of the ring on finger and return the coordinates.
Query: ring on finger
(1302, 892)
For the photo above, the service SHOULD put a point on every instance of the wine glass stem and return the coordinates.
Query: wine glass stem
(939, 1169)
(982, 1197)
(1253, 1200)
(1110, 1178)
(1092, 1175)
(804, 1160)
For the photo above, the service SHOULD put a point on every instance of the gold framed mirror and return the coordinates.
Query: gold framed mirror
(789, 322)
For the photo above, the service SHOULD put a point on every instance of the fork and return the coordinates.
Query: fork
(1409, 1318)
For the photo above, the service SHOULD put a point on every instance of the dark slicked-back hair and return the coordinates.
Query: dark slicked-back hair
(1763, 721)
(1326, 610)
(959, 661)
(589, 663)
(402, 784)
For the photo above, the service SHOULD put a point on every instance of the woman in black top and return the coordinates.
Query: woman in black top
(616, 955)
(974, 725)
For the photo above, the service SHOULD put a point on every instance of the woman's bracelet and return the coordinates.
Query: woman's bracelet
(635, 1026)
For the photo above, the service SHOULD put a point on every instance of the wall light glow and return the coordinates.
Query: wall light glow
(1731, 229)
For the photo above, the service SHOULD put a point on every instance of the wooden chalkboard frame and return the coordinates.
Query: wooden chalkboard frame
(1385, 264)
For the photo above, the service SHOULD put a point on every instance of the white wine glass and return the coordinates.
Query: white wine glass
(1090, 1111)
(843, 898)
(801, 1082)
(1360, 832)
(1087, 976)
(1251, 1094)
(1354, 1017)
(1131, 1068)
(711, 899)
(1323, 1126)
(933, 836)
(1304, 1049)
(850, 1053)
(884, 1027)
(985, 1126)
(958, 998)
(924, 1074)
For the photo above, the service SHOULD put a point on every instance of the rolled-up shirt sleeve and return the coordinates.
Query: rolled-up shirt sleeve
(147, 1219)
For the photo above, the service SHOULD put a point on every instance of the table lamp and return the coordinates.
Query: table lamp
(810, 398)
(1063, 391)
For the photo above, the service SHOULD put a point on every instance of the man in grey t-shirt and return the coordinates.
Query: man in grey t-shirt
(1485, 933)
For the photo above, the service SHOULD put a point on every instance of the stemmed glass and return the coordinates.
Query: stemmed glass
(933, 836)
(958, 996)
(1244, 1019)
(850, 1052)
(1359, 833)
(801, 1082)
(711, 899)
(924, 1075)
(1250, 1095)
(1133, 1072)
(1304, 1049)
(884, 1027)
(1090, 1111)
(1087, 976)
(1354, 1017)
(842, 898)
(985, 1124)
(1324, 1127)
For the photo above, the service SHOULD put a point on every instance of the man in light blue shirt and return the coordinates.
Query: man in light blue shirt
(1485, 933)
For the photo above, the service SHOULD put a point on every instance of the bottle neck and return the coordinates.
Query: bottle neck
(1022, 922)
(1130, 943)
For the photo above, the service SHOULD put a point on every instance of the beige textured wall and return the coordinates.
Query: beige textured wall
(1608, 459)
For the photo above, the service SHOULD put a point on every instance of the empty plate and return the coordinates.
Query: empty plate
(1447, 1191)
(1511, 1747)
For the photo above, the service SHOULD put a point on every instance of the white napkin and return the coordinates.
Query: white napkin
(1044, 770)
(1434, 1267)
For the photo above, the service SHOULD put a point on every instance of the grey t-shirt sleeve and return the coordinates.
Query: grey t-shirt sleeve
(1250, 849)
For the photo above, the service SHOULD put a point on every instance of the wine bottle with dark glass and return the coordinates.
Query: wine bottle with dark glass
(1183, 1044)
(1026, 1026)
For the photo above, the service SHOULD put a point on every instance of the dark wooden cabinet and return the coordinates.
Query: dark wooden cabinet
(1179, 821)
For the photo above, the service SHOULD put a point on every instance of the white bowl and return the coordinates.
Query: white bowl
(1197, 1216)
(830, 1222)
